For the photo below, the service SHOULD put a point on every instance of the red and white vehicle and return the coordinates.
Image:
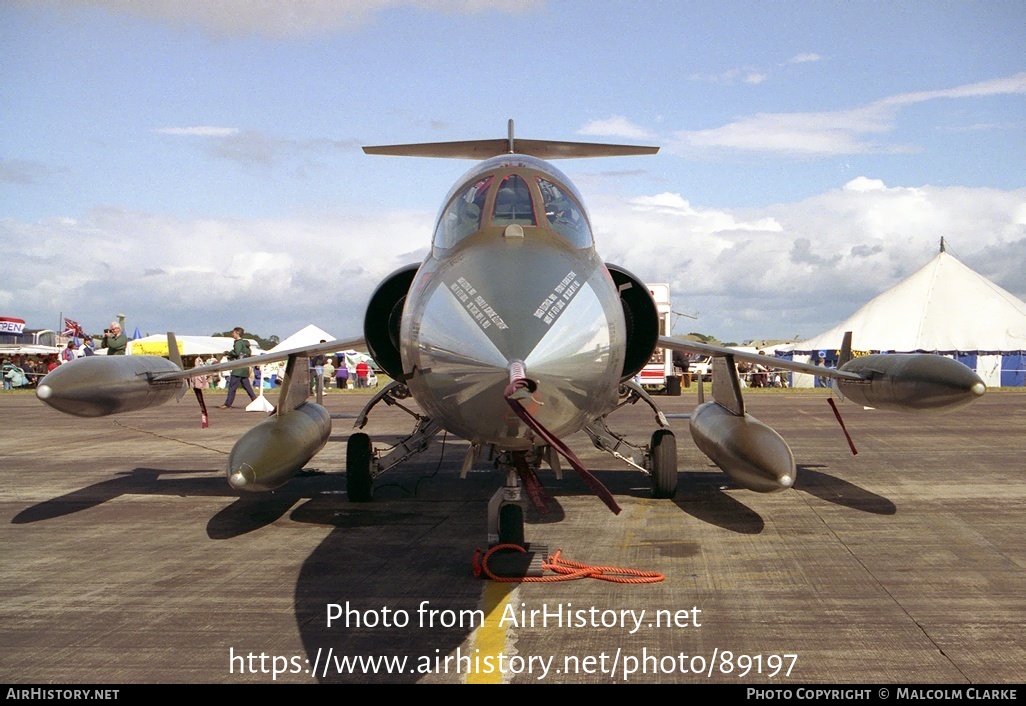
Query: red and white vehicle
(660, 365)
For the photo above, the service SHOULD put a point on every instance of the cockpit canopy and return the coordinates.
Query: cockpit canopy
(513, 189)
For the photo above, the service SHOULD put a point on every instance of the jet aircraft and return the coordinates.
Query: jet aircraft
(512, 334)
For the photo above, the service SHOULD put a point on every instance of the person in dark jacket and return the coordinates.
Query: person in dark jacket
(239, 376)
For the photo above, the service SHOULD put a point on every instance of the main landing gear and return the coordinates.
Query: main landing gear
(658, 460)
(359, 459)
(364, 464)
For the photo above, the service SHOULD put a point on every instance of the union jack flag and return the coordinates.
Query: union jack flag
(71, 328)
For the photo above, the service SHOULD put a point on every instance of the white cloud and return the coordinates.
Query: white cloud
(802, 267)
(709, 221)
(981, 127)
(287, 19)
(794, 133)
(728, 76)
(804, 58)
(833, 132)
(865, 184)
(198, 131)
(1015, 83)
(615, 126)
(751, 74)
(758, 272)
(201, 275)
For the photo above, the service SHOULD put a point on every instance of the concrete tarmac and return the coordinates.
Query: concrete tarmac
(127, 558)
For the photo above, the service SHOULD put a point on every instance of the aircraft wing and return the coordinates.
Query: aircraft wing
(768, 361)
(255, 360)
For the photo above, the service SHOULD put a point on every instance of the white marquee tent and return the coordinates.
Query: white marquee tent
(306, 336)
(945, 307)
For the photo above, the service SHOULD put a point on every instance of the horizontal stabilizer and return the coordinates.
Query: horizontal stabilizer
(485, 149)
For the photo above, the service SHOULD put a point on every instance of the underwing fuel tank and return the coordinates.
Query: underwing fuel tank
(96, 386)
(917, 381)
(277, 448)
(751, 453)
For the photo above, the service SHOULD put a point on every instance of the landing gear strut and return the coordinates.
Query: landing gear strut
(506, 512)
(658, 460)
(364, 464)
(506, 526)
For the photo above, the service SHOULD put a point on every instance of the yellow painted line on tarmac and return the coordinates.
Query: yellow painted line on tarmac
(490, 639)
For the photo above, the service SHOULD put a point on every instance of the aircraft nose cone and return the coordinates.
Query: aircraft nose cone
(555, 311)
(44, 392)
(978, 389)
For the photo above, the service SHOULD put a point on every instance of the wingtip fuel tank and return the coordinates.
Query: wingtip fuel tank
(277, 448)
(918, 381)
(100, 385)
(751, 453)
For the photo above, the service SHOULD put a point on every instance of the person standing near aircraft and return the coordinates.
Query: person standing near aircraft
(239, 376)
(317, 368)
(16, 373)
(362, 374)
(114, 340)
(200, 382)
(10, 372)
(214, 378)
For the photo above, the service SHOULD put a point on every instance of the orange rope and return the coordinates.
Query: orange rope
(567, 570)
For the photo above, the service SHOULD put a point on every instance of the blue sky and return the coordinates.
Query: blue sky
(196, 165)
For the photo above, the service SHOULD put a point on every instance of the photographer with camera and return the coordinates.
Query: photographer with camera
(114, 340)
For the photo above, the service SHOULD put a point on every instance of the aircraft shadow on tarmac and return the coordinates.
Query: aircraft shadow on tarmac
(841, 492)
(411, 544)
(138, 481)
(364, 569)
(423, 554)
(702, 496)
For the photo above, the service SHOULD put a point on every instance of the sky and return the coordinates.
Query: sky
(196, 165)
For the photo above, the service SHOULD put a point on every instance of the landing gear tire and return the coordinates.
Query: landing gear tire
(359, 454)
(664, 464)
(511, 524)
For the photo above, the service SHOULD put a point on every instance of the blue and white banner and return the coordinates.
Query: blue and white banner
(8, 325)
